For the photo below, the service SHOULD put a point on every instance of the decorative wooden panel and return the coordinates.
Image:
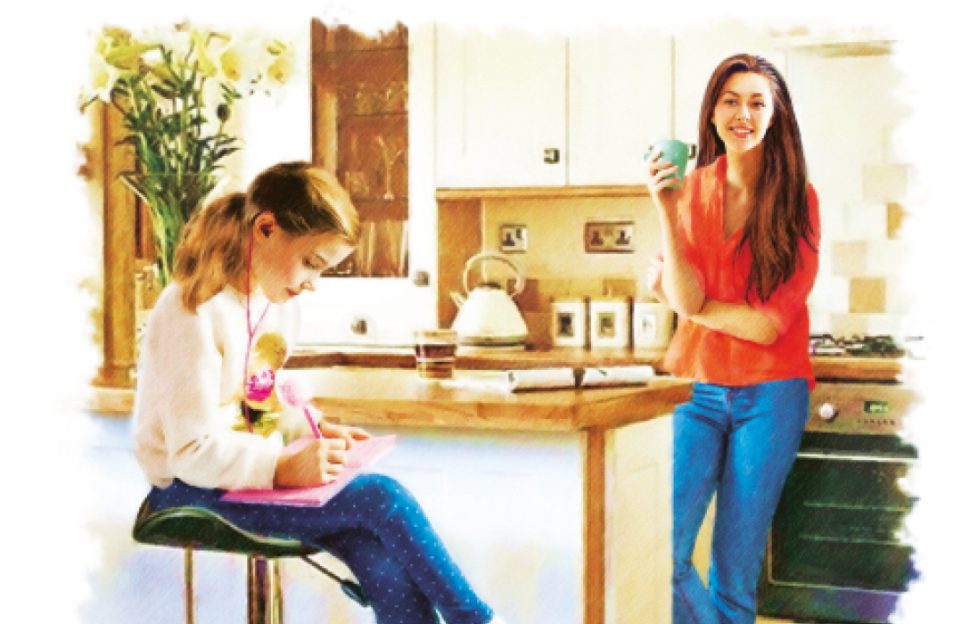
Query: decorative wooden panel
(360, 132)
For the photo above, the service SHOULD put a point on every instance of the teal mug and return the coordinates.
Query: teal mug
(675, 152)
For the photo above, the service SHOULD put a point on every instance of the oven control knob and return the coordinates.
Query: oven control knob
(827, 411)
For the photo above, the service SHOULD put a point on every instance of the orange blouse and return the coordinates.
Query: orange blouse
(706, 355)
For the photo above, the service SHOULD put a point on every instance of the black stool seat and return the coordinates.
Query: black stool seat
(202, 529)
(197, 528)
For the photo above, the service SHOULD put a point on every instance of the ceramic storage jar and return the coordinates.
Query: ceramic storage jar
(569, 324)
(652, 324)
(610, 322)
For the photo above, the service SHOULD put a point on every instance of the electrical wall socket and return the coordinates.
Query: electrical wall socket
(609, 236)
(512, 237)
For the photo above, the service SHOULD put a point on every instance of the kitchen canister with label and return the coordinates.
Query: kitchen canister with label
(569, 325)
(610, 321)
(652, 323)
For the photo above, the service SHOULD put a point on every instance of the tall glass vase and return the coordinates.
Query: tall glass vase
(171, 200)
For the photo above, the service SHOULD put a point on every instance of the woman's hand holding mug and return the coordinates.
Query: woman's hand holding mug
(666, 167)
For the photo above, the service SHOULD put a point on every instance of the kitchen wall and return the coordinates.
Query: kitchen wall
(849, 109)
(555, 263)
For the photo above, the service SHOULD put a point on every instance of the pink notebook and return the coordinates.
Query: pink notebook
(362, 454)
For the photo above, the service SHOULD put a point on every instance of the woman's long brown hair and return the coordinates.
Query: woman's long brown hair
(214, 243)
(780, 216)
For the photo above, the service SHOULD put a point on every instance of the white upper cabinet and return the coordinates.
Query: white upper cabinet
(697, 54)
(518, 109)
(619, 103)
(500, 106)
(598, 98)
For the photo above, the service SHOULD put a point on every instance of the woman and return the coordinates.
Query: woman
(207, 417)
(740, 255)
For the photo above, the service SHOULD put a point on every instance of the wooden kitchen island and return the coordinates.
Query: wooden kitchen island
(399, 398)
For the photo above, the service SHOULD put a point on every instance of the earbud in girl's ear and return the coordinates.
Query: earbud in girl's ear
(266, 229)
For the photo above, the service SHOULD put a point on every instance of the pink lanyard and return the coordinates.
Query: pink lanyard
(246, 409)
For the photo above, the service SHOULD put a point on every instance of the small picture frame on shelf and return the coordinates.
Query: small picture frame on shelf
(569, 325)
(610, 322)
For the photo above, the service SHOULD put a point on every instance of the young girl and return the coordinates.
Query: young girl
(206, 416)
(740, 254)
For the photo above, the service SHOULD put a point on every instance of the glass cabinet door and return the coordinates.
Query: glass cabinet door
(362, 87)
(360, 131)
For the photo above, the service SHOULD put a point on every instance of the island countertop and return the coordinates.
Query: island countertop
(593, 417)
(882, 369)
(399, 397)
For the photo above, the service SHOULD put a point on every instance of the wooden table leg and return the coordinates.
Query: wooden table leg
(594, 525)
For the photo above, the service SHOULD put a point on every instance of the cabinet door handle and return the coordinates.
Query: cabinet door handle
(359, 326)
(551, 155)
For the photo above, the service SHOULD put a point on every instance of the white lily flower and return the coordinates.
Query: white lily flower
(125, 56)
(282, 65)
(104, 77)
(238, 60)
(176, 38)
(206, 63)
(112, 37)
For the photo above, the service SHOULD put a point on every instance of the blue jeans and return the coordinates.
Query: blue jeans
(378, 530)
(740, 442)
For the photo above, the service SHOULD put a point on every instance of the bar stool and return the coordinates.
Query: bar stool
(196, 528)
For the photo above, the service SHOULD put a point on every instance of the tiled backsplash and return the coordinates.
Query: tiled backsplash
(866, 262)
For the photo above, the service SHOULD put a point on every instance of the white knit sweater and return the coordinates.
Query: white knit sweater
(189, 389)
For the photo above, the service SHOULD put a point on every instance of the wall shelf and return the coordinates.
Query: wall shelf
(542, 192)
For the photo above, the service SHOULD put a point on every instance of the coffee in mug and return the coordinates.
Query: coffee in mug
(434, 352)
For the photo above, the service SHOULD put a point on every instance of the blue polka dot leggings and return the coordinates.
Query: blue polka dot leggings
(377, 528)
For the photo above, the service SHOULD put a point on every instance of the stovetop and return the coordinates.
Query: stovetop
(860, 346)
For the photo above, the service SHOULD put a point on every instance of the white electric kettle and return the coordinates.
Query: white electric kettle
(487, 314)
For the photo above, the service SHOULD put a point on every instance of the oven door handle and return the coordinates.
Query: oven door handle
(879, 459)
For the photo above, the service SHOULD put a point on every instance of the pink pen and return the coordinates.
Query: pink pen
(298, 394)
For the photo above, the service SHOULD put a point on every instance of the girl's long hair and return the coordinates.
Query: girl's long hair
(780, 216)
(213, 247)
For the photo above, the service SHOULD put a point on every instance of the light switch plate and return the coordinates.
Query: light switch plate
(609, 236)
(512, 237)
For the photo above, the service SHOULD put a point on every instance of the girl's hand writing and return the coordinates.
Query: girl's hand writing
(312, 464)
(342, 432)
(664, 196)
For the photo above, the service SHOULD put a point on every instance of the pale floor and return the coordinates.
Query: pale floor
(132, 580)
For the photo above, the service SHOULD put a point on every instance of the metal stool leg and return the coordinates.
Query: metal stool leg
(275, 592)
(188, 586)
(264, 591)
